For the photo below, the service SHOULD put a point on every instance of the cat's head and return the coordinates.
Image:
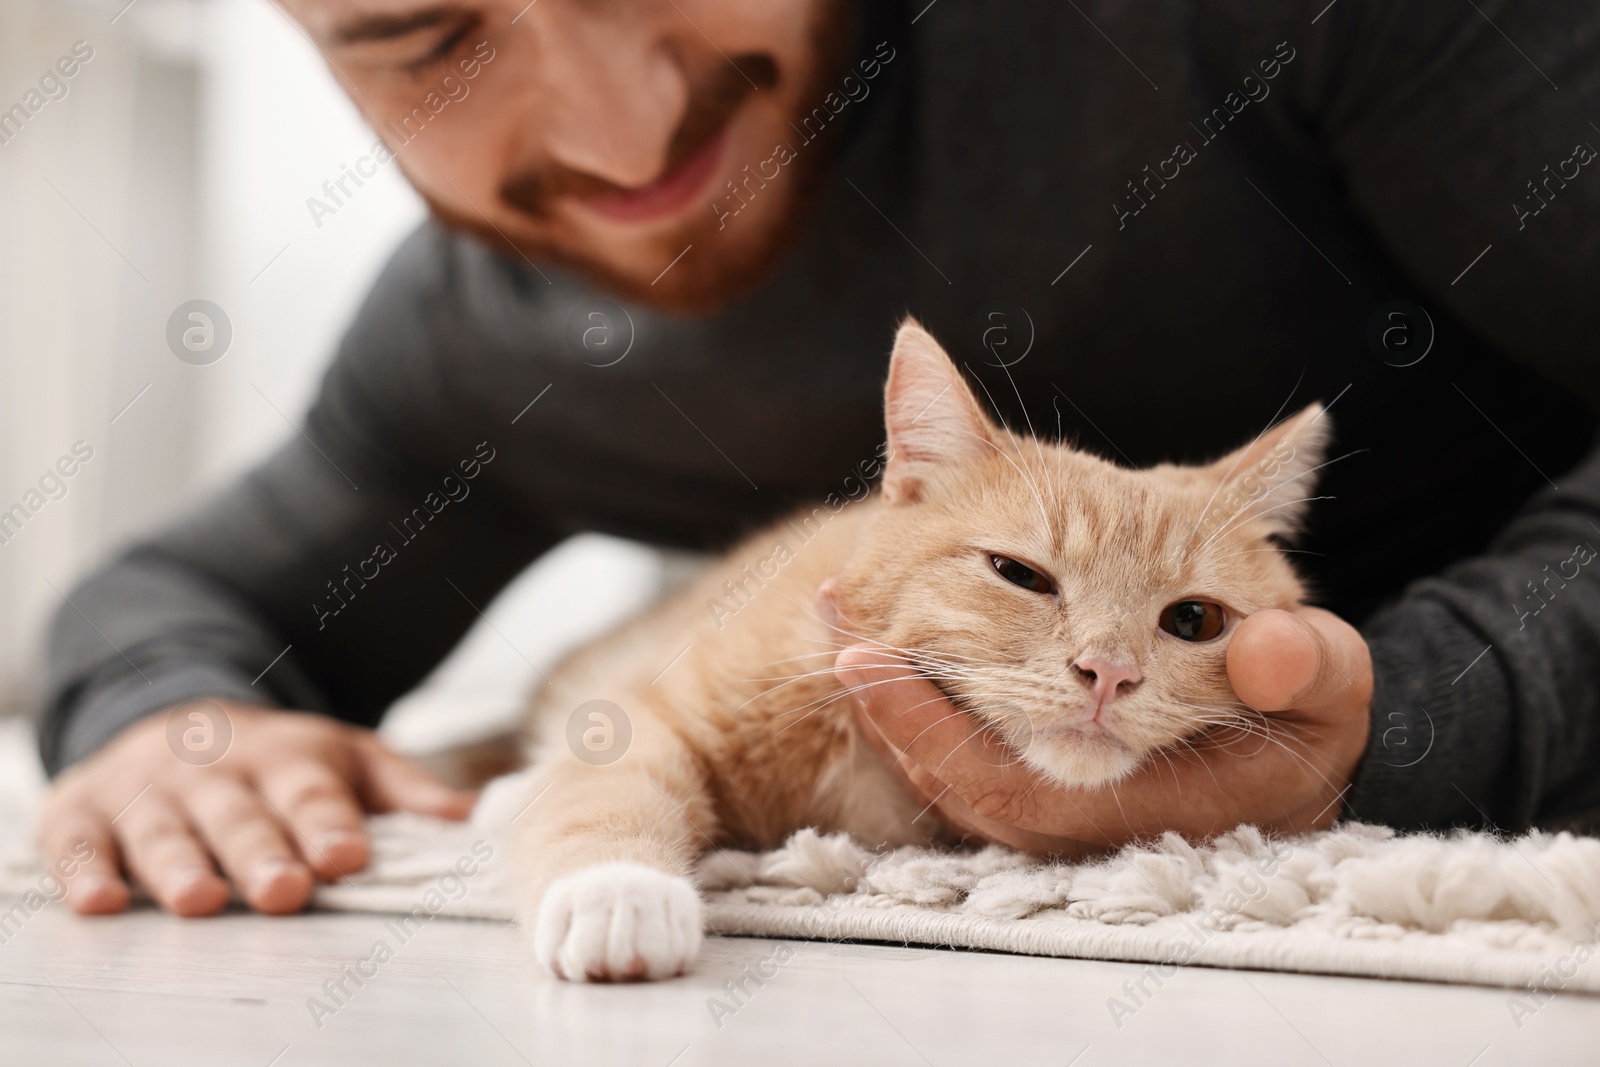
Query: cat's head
(1081, 609)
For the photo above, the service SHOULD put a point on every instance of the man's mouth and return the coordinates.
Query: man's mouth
(667, 194)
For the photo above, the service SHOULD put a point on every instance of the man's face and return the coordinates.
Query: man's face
(600, 133)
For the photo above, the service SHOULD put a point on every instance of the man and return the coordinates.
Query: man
(672, 239)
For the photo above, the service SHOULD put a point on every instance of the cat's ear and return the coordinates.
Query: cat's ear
(1270, 481)
(933, 420)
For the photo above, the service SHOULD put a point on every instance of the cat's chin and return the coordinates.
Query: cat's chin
(1082, 758)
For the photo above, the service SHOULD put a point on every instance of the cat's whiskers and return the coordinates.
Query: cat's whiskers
(982, 724)
(868, 639)
(824, 701)
(1052, 529)
(1030, 686)
(1214, 738)
(1228, 479)
(834, 649)
(1248, 515)
(960, 745)
(1239, 717)
(1245, 512)
(800, 678)
(1270, 548)
(1044, 512)
(1239, 456)
(1166, 754)
(1262, 727)
(938, 659)
(946, 718)
(811, 707)
(924, 662)
(934, 671)
(1122, 811)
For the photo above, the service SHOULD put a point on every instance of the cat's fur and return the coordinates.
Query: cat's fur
(748, 736)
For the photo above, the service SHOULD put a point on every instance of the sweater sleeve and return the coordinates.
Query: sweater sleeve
(1462, 137)
(330, 578)
(1485, 708)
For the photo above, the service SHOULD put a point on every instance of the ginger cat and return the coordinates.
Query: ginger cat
(1079, 609)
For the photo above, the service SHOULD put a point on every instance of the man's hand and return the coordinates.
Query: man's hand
(1308, 669)
(282, 803)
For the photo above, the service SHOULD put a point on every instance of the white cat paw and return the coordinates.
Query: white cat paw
(618, 922)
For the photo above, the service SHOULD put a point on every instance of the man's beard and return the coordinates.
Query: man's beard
(697, 284)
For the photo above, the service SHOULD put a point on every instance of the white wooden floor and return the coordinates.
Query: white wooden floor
(146, 989)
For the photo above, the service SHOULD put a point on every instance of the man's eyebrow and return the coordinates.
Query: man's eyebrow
(387, 27)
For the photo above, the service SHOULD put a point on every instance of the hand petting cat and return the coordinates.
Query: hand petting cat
(1308, 669)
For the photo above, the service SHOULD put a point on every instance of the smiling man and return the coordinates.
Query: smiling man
(670, 241)
(604, 133)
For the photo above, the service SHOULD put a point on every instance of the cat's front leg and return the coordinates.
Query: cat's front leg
(605, 862)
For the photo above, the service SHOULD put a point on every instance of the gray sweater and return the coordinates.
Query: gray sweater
(1177, 217)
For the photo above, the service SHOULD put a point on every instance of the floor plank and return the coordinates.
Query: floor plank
(144, 988)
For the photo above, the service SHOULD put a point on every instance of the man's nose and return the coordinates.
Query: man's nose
(611, 105)
(1105, 676)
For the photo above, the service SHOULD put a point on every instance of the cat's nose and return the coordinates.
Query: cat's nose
(1105, 676)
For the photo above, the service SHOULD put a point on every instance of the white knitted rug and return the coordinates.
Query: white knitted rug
(1359, 900)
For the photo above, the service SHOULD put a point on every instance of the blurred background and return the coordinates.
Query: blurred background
(177, 167)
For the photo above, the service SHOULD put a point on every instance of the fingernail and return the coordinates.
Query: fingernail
(89, 886)
(266, 875)
(450, 801)
(336, 840)
(181, 882)
(95, 894)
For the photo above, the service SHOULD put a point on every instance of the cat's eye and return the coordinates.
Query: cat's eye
(1022, 575)
(1194, 620)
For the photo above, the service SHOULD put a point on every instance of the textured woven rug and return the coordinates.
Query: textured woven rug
(1357, 900)
(1522, 912)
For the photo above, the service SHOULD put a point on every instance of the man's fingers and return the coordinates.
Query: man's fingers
(959, 814)
(928, 790)
(949, 745)
(77, 847)
(252, 844)
(161, 849)
(921, 785)
(1308, 660)
(390, 782)
(323, 814)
